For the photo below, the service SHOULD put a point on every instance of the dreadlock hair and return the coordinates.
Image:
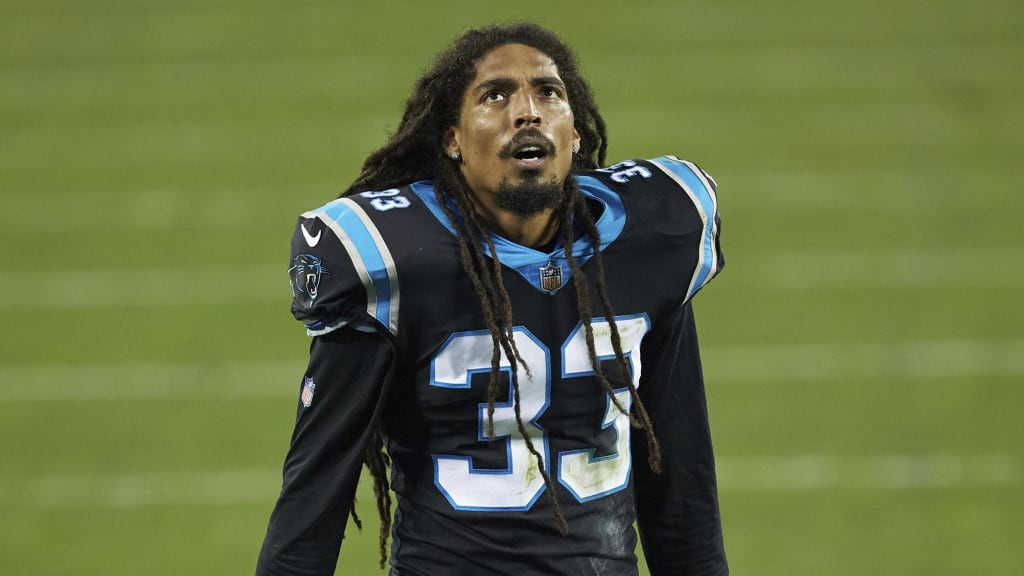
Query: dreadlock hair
(415, 152)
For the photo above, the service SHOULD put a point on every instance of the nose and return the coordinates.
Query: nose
(526, 111)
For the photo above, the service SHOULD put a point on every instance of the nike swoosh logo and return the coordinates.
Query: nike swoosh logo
(310, 239)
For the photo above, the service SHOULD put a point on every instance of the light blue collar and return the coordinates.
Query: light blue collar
(531, 263)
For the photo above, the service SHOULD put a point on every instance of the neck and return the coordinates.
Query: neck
(530, 231)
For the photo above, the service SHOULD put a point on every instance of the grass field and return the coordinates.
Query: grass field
(864, 348)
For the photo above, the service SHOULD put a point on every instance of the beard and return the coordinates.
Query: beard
(529, 197)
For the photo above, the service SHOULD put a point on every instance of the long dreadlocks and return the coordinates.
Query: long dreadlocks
(415, 153)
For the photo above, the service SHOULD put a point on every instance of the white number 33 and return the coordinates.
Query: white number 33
(519, 485)
(385, 200)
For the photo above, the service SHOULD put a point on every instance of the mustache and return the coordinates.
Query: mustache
(534, 136)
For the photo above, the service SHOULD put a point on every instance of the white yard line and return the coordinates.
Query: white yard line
(787, 270)
(911, 191)
(775, 364)
(189, 211)
(114, 382)
(785, 473)
(143, 287)
(891, 192)
(893, 268)
(903, 360)
(811, 472)
(139, 490)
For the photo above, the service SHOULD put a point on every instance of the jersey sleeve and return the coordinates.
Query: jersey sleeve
(342, 396)
(677, 510)
(701, 191)
(341, 272)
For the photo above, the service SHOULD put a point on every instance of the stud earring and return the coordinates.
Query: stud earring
(575, 148)
(456, 156)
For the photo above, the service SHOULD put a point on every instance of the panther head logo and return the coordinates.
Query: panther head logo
(305, 275)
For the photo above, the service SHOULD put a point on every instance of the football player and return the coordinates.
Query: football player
(503, 334)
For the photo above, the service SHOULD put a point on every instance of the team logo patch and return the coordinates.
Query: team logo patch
(306, 272)
(551, 277)
(307, 392)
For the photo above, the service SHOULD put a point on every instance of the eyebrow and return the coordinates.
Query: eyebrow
(506, 82)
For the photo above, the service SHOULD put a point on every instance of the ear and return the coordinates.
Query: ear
(450, 141)
(575, 139)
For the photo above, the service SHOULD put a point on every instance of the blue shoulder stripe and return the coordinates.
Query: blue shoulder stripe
(369, 254)
(702, 193)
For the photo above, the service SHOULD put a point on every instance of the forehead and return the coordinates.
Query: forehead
(513, 60)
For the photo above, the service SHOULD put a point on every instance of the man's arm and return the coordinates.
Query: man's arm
(677, 510)
(349, 371)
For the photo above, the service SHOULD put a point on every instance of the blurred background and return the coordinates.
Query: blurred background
(864, 348)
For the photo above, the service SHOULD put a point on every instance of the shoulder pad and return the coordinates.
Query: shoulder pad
(652, 187)
(341, 270)
(702, 191)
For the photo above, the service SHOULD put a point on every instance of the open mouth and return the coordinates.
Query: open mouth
(529, 156)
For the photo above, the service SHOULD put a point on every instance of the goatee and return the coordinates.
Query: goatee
(529, 197)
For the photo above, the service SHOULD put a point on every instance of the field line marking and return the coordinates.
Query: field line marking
(900, 360)
(197, 210)
(906, 267)
(812, 472)
(779, 473)
(793, 270)
(213, 209)
(916, 360)
(155, 381)
(143, 287)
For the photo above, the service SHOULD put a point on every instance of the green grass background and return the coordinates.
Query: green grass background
(864, 349)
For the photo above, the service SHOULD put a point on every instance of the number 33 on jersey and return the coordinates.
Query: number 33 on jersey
(519, 485)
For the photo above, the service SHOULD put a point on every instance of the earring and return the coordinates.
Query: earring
(575, 148)
(456, 155)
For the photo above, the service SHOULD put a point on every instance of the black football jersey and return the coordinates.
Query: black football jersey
(387, 263)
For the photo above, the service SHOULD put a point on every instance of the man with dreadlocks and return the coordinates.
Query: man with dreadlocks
(465, 338)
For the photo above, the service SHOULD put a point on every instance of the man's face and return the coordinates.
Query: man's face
(516, 128)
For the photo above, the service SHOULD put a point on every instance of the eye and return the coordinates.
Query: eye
(551, 92)
(493, 96)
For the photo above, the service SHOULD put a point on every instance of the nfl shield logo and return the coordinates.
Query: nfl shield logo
(551, 277)
(307, 392)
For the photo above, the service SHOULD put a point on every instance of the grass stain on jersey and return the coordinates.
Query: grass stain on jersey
(532, 471)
